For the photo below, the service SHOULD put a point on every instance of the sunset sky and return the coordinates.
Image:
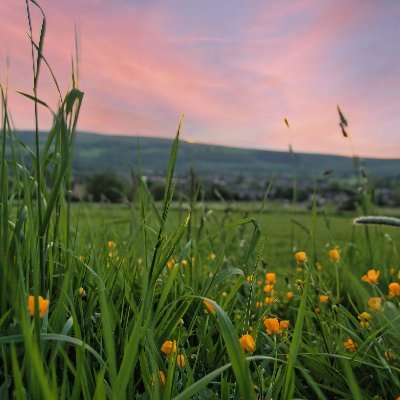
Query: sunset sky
(235, 68)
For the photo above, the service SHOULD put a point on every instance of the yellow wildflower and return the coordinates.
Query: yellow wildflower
(111, 244)
(159, 378)
(334, 255)
(180, 360)
(323, 298)
(209, 307)
(301, 257)
(272, 326)
(374, 303)
(269, 300)
(371, 277)
(394, 288)
(247, 343)
(168, 347)
(268, 288)
(43, 306)
(284, 324)
(170, 263)
(350, 344)
(289, 295)
(364, 318)
(270, 277)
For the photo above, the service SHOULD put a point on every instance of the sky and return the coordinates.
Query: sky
(235, 68)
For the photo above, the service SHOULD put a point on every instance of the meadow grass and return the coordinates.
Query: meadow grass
(163, 301)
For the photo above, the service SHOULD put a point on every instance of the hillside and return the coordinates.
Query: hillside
(95, 152)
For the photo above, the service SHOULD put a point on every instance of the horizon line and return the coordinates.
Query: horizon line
(195, 142)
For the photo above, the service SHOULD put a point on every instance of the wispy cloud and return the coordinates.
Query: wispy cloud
(236, 69)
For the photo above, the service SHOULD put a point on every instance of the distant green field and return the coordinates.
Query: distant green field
(286, 229)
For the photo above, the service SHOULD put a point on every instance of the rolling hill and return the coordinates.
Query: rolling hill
(95, 153)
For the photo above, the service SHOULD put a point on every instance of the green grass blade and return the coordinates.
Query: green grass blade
(289, 385)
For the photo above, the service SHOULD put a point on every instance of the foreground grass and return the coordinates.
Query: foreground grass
(154, 302)
(108, 319)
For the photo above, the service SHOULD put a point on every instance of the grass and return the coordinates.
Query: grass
(123, 281)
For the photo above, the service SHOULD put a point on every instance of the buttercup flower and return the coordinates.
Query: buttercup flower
(323, 298)
(289, 295)
(43, 306)
(394, 288)
(168, 347)
(272, 326)
(209, 307)
(374, 303)
(170, 263)
(159, 378)
(301, 257)
(111, 244)
(284, 324)
(180, 360)
(371, 277)
(268, 288)
(247, 343)
(334, 255)
(184, 263)
(270, 277)
(350, 345)
(364, 318)
(269, 300)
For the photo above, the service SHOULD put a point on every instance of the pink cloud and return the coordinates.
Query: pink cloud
(142, 65)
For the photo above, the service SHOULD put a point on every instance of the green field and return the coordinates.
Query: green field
(287, 229)
(110, 312)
